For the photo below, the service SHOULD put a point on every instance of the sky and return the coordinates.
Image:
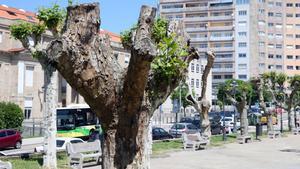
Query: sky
(116, 15)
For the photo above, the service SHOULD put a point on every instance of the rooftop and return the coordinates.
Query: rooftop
(16, 14)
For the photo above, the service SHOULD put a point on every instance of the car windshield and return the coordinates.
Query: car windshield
(178, 126)
(228, 119)
(59, 143)
(76, 141)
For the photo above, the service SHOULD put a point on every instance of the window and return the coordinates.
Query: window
(197, 83)
(29, 76)
(261, 1)
(289, 46)
(192, 67)
(261, 33)
(289, 26)
(197, 68)
(242, 23)
(289, 4)
(1, 36)
(27, 107)
(261, 11)
(278, 46)
(278, 56)
(242, 13)
(297, 46)
(11, 132)
(270, 56)
(242, 33)
(242, 76)
(270, 24)
(228, 76)
(279, 36)
(289, 36)
(270, 4)
(262, 44)
(290, 67)
(192, 82)
(289, 15)
(239, 2)
(297, 26)
(297, 36)
(2, 134)
(242, 44)
(242, 55)
(172, 6)
(297, 5)
(279, 15)
(289, 56)
(270, 14)
(270, 45)
(262, 54)
(261, 22)
(217, 77)
(279, 67)
(278, 4)
(261, 65)
(297, 67)
(278, 26)
(297, 15)
(271, 67)
(297, 57)
(228, 66)
(270, 35)
(242, 66)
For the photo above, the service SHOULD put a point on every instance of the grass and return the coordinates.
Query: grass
(165, 146)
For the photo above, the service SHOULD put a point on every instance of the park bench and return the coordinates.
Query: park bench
(194, 141)
(296, 130)
(274, 134)
(5, 165)
(78, 152)
(244, 139)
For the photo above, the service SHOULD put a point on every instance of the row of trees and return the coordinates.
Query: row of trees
(276, 88)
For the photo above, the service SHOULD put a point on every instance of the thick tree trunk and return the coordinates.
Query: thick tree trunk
(270, 126)
(241, 107)
(49, 159)
(291, 122)
(205, 123)
(126, 146)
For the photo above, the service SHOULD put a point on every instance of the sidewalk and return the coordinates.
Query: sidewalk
(281, 153)
(32, 141)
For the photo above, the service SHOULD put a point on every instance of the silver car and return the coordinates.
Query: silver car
(179, 128)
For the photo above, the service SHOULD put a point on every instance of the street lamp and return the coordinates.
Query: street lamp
(234, 85)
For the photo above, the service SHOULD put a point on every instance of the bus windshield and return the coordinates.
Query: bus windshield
(65, 120)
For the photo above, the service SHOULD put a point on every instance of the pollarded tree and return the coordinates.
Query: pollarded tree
(292, 100)
(202, 104)
(51, 19)
(124, 99)
(243, 93)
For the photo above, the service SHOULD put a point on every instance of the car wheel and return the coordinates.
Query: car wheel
(18, 145)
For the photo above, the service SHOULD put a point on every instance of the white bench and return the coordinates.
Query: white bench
(5, 165)
(78, 152)
(244, 139)
(194, 141)
(296, 130)
(274, 134)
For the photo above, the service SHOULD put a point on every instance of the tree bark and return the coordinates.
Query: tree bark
(49, 159)
(241, 107)
(124, 100)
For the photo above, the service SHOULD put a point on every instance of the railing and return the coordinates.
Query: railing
(223, 70)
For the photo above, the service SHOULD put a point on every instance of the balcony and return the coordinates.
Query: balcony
(224, 59)
(199, 39)
(171, 10)
(218, 80)
(220, 18)
(228, 38)
(195, 9)
(222, 70)
(199, 29)
(222, 49)
(193, 19)
(220, 28)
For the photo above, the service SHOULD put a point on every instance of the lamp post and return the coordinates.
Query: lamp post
(224, 130)
(234, 85)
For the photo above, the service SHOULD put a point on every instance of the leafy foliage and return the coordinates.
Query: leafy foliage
(184, 92)
(21, 30)
(11, 116)
(52, 17)
(169, 61)
(242, 88)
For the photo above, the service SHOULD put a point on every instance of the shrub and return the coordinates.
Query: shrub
(11, 115)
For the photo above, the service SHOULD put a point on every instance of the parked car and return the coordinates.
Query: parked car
(215, 127)
(160, 134)
(61, 144)
(186, 120)
(179, 128)
(229, 122)
(10, 138)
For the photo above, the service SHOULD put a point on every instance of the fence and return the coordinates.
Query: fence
(32, 128)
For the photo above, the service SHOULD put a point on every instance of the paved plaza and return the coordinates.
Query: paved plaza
(281, 153)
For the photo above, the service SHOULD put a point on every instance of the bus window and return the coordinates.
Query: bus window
(65, 120)
(80, 118)
(90, 117)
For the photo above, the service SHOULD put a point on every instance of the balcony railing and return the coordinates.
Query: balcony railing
(221, 38)
(195, 29)
(219, 28)
(199, 39)
(223, 49)
(220, 70)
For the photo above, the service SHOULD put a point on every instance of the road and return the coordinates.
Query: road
(281, 153)
(27, 147)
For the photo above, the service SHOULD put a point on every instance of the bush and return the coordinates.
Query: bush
(11, 116)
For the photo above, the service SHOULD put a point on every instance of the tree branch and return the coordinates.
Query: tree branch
(209, 65)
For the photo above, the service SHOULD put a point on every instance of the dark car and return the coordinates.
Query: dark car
(160, 134)
(216, 127)
(186, 120)
(10, 138)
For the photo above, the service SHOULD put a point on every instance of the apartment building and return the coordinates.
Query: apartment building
(249, 37)
(210, 25)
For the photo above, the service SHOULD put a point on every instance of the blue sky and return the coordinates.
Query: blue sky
(116, 15)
